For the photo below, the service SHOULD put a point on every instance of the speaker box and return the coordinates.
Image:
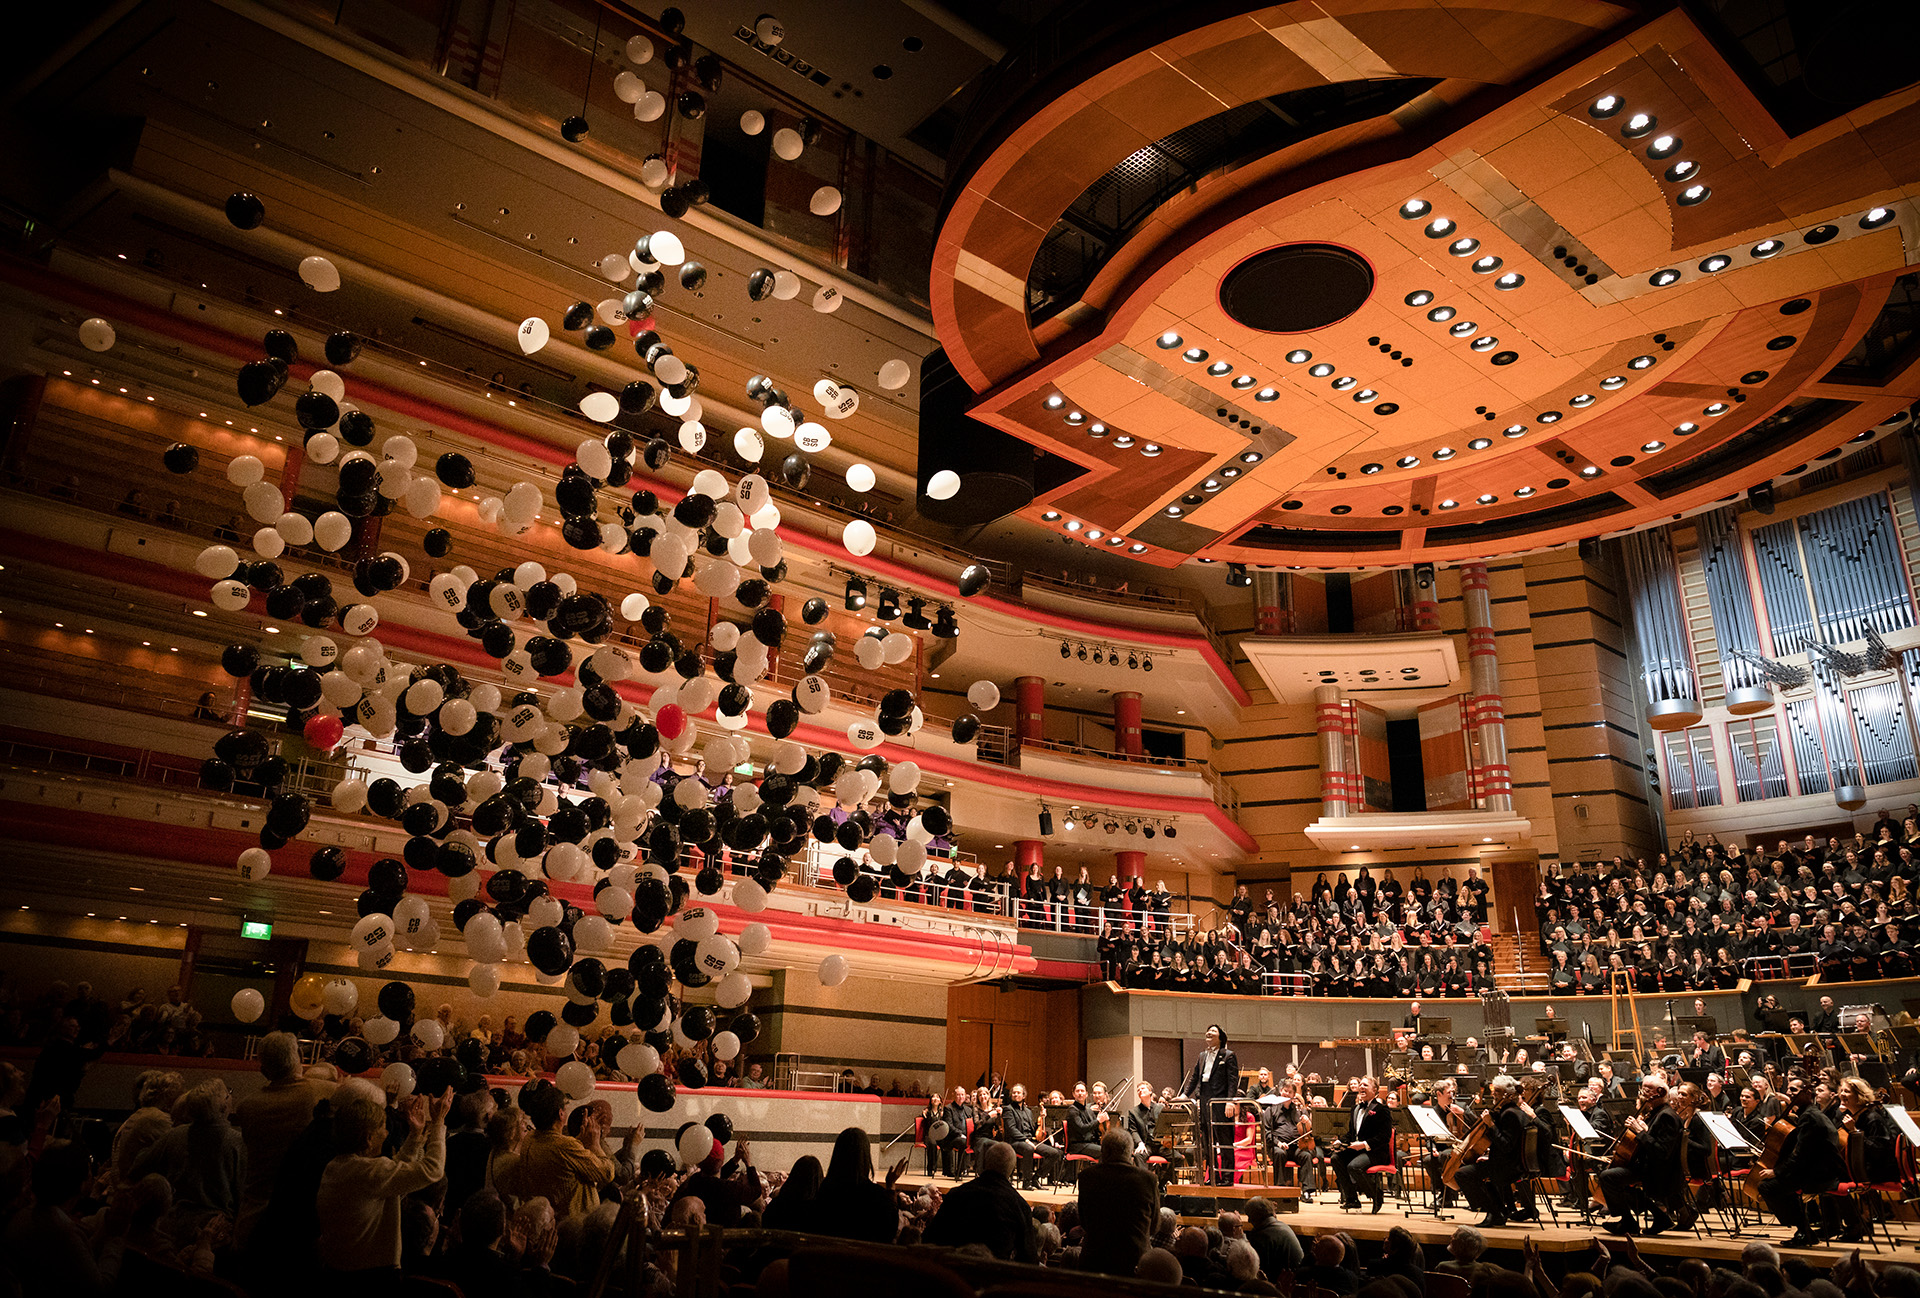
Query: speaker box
(1190, 1205)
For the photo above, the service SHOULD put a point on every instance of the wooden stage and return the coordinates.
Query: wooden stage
(1571, 1239)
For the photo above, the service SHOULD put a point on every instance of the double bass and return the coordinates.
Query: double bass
(1469, 1150)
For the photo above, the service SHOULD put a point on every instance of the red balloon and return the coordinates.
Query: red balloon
(670, 721)
(324, 731)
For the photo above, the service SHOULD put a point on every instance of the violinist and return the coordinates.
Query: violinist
(1649, 1174)
(1580, 1183)
(1288, 1128)
(1022, 1131)
(1459, 1120)
(986, 1122)
(1809, 1163)
(1142, 1122)
(1697, 1143)
(1488, 1184)
(1083, 1125)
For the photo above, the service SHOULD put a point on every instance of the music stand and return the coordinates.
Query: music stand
(1374, 1028)
(1688, 1024)
(1436, 1025)
(1430, 1070)
(1858, 1043)
(1550, 1029)
(1320, 1090)
(1173, 1132)
(1331, 1126)
(1419, 1123)
(1620, 1109)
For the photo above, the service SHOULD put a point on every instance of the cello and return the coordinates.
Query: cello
(1469, 1150)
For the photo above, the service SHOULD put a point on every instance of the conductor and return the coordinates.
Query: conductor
(1214, 1076)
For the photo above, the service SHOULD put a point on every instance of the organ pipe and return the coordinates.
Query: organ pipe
(1731, 600)
(1666, 666)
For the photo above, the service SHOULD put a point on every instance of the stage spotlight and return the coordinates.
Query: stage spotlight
(856, 594)
(1097, 659)
(944, 627)
(1113, 826)
(1149, 831)
(1237, 575)
(1133, 661)
(1046, 821)
(889, 604)
(916, 618)
(1072, 812)
(1146, 663)
(1133, 827)
(1081, 653)
(1066, 650)
(1171, 832)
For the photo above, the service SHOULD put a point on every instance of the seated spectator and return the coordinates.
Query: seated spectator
(789, 1209)
(987, 1210)
(1331, 1267)
(45, 1248)
(1159, 1266)
(1401, 1258)
(1190, 1249)
(850, 1205)
(723, 1191)
(1463, 1255)
(1273, 1240)
(1120, 1204)
(154, 1093)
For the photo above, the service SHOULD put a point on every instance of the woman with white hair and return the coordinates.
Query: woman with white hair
(361, 1191)
(203, 1159)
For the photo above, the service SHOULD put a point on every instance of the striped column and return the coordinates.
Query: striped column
(1030, 707)
(1126, 723)
(1336, 725)
(1484, 711)
(1272, 603)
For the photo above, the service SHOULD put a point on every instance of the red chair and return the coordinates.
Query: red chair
(1390, 1170)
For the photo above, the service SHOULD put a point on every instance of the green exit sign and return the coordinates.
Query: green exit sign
(259, 930)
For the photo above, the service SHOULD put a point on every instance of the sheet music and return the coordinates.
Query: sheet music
(1577, 1120)
(1903, 1120)
(1725, 1132)
(1431, 1124)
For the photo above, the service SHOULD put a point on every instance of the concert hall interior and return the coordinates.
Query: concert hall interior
(1001, 646)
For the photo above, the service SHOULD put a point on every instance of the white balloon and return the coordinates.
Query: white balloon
(944, 485)
(248, 1005)
(423, 496)
(696, 922)
(904, 777)
(397, 1080)
(329, 382)
(245, 470)
(592, 935)
(320, 275)
(725, 1045)
(865, 735)
(665, 248)
(827, 299)
(230, 596)
(639, 50)
(749, 445)
(373, 931)
(812, 694)
(601, 407)
(858, 536)
(752, 493)
(754, 939)
(825, 201)
(323, 448)
(628, 88)
(833, 971)
(294, 529)
(575, 1079)
(787, 144)
(693, 436)
(778, 421)
(861, 477)
(894, 375)
(695, 1145)
(896, 648)
(869, 652)
(332, 530)
(748, 895)
(716, 955)
(263, 502)
(732, 992)
(710, 483)
(483, 980)
(812, 438)
(268, 543)
(752, 122)
(318, 651)
(379, 1030)
(984, 695)
(349, 796)
(96, 335)
(533, 334)
(340, 996)
(786, 286)
(649, 107)
(678, 407)
(764, 544)
(216, 561)
(595, 460)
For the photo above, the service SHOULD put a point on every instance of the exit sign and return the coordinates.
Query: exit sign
(256, 929)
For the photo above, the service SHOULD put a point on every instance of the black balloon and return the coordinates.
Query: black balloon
(259, 382)
(693, 1073)
(973, 579)
(794, 471)
(245, 211)
(965, 728)
(455, 470)
(539, 1024)
(356, 428)
(599, 338)
(328, 863)
(281, 346)
(760, 287)
(343, 347)
(656, 1093)
(578, 316)
(239, 659)
(636, 399)
(693, 275)
(396, 1001)
(353, 1055)
(814, 611)
(316, 410)
(549, 950)
(574, 129)
(437, 542)
(181, 458)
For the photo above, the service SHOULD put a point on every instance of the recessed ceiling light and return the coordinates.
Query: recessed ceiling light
(1648, 448)
(1638, 125)
(1440, 227)
(1220, 369)
(1169, 340)
(1613, 381)
(1717, 409)
(1123, 441)
(1663, 146)
(1479, 443)
(1321, 370)
(1523, 491)
(1465, 247)
(1684, 429)
(1582, 401)
(1487, 265)
(1343, 383)
(1766, 248)
(1876, 217)
(1682, 170)
(1441, 314)
(1244, 381)
(1605, 106)
(1267, 394)
(1150, 449)
(1693, 194)
(1444, 453)
(1449, 504)
(1662, 278)
(1055, 401)
(1640, 363)
(1415, 208)
(1051, 516)
(1511, 280)
(1074, 524)
(1463, 328)
(1406, 461)
(1194, 355)
(1514, 430)
(1419, 297)
(1590, 471)
(1485, 342)
(1485, 498)
(1299, 356)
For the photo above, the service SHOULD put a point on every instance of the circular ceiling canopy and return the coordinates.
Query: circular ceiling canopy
(1296, 287)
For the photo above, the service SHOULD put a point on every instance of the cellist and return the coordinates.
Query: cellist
(1488, 1185)
(1810, 1162)
(1651, 1172)
(1459, 1120)
(1871, 1140)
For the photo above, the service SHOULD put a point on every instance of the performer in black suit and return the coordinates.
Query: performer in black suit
(1083, 1125)
(959, 1116)
(1214, 1076)
(1286, 1123)
(1141, 1122)
(1811, 1162)
(1369, 1144)
(1488, 1184)
(1707, 1055)
(1021, 1126)
(1652, 1177)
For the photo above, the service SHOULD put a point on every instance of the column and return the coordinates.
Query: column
(1426, 604)
(1485, 712)
(1334, 724)
(1027, 853)
(1272, 603)
(1130, 865)
(290, 467)
(1030, 707)
(242, 701)
(1126, 723)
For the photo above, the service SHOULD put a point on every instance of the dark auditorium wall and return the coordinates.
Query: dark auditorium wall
(1031, 1036)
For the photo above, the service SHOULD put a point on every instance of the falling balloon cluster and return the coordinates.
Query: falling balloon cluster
(547, 804)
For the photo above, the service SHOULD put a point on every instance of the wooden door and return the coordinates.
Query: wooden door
(1443, 754)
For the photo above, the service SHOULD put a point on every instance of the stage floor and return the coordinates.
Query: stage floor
(1571, 1237)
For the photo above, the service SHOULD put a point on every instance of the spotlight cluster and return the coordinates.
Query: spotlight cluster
(913, 617)
(1113, 822)
(1107, 655)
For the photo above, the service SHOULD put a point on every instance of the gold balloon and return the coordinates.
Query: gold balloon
(309, 996)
